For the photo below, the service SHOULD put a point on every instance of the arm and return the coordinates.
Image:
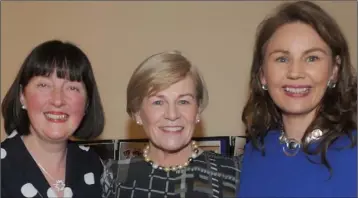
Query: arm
(238, 159)
(107, 180)
(4, 193)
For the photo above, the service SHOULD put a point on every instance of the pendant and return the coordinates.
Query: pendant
(60, 185)
(291, 147)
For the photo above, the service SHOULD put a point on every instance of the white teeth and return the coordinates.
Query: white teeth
(56, 117)
(296, 90)
(172, 129)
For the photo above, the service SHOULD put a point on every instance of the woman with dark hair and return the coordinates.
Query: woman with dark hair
(301, 116)
(53, 97)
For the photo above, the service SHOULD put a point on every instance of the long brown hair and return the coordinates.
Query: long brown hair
(337, 114)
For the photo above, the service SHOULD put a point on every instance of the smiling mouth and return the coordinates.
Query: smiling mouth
(303, 90)
(56, 117)
(169, 129)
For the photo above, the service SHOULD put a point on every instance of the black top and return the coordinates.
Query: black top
(208, 175)
(21, 177)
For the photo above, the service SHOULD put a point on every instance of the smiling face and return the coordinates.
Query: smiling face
(297, 67)
(55, 106)
(169, 117)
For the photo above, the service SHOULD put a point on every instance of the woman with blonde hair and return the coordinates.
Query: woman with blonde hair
(166, 96)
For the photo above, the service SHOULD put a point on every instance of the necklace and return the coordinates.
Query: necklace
(292, 146)
(172, 168)
(59, 183)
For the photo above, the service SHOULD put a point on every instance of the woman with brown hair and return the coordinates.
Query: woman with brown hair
(301, 116)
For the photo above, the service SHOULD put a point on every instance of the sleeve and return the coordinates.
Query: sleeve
(238, 161)
(108, 179)
(4, 192)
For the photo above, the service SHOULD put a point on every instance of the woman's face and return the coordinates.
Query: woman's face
(297, 66)
(55, 106)
(169, 117)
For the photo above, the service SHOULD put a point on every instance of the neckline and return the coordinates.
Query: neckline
(38, 171)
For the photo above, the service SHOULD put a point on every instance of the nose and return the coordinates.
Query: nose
(172, 112)
(295, 70)
(57, 97)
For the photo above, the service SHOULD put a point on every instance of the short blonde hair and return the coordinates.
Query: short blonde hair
(159, 72)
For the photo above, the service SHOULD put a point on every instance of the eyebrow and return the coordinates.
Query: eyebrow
(180, 96)
(305, 52)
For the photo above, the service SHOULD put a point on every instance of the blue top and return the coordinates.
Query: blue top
(277, 175)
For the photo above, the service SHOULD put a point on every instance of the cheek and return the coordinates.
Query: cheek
(274, 76)
(190, 114)
(150, 117)
(77, 105)
(35, 102)
(319, 76)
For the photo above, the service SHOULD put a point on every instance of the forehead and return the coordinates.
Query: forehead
(296, 37)
(55, 75)
(184, 86)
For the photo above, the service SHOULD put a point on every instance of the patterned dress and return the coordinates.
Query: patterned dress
(208, 175)
(21, 177)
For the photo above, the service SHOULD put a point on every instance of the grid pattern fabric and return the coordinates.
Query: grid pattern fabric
(208, 175)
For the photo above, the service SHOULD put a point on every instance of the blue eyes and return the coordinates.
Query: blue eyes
(160, 102)
(281, 59)
(312, 58)
(183, 102)
(285, 59)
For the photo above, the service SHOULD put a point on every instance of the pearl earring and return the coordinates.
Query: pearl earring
(23, 107)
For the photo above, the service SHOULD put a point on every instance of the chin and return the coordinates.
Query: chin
(297, 111)
(173, 149)
(56, 136)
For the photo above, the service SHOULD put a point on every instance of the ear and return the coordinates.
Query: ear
(337, 64)
(137, 118)
(197, 118)
(22, 97)
(262, 77)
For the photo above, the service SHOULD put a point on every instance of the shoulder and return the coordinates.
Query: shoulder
(113, 167)
(346, 141)
(118, 171)
(223, 166)
(220, 159)
(229, 166)
(10, 140)
(84, 156)
(82, 150)
(12, 144)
